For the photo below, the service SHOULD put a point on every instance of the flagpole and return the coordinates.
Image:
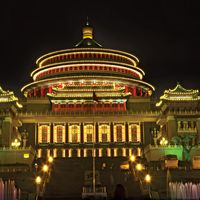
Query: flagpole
(93, 152)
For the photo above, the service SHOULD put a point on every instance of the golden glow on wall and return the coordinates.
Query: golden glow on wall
(78, 152)
(115, 152)
(74, 135)
(130, 152)
(100, 152)
(104, 133)
(55, 153)
(63, 153)
(139, 151)
(119, 133)
(93, 152)
(39, 153)
(48, 153)
(43, 133)
(134, 132)
(70, 153)
(59, 133)
(89, 133)
(124, 152)
(108, 152)
(84, 152)
(26, 155)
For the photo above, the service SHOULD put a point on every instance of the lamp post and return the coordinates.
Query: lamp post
(15, 144)
(45, 168)
(38, 181)
(163, 141)
(139, 167)
(147, 179)
(132, 158)
(50, 159)
(131, 161)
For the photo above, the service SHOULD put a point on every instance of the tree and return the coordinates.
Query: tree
(186, 140)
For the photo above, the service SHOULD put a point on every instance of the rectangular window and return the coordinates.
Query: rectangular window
(44, 134)
(59, 134)
(104, 137)
(89, 137)
(119, 133)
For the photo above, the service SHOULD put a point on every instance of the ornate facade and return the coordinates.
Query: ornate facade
(90, 96)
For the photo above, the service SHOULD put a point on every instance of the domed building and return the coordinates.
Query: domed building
(87, 94)
(90, 96)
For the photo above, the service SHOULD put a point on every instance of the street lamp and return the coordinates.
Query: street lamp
(15, 144)
(163, 141)
(45, 168)
(147, 179)
(132, 158)
(50, 159)
(139, 167)
(38, 181)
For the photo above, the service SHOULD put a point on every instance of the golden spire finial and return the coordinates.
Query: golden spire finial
(87, 30)
(87, 22)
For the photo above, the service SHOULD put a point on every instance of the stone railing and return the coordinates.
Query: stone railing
(96, 113)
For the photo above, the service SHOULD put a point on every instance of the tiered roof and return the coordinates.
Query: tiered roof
(179, 93)
(102, 94)
(8, 97)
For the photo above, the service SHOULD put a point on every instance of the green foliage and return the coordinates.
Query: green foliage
(186, 141)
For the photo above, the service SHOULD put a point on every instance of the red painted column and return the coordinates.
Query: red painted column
(42, 91)
(35, 92)
(59, 107)
(50, 89)
(126, 89)
(124, 105)
(118, 106)
(134, 91)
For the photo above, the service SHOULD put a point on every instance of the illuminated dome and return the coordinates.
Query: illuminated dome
(86, 68)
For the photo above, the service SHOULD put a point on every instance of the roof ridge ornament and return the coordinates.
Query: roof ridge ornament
(87, 37)
(87, 30)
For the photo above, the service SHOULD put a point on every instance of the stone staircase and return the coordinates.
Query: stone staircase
(67, 178)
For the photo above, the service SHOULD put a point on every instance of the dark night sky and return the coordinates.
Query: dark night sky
(164, 35)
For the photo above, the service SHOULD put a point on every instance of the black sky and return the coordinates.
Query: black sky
(164, 35)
